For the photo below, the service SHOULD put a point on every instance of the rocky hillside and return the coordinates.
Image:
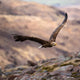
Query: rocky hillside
(50, 69)
(33, 19)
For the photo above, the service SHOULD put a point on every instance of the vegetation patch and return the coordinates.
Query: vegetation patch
(75, 75)
(49, 68)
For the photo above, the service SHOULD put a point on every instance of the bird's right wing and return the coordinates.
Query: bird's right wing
(55, 33)
(24, 38)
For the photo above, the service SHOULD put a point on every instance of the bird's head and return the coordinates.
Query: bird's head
(53, 43)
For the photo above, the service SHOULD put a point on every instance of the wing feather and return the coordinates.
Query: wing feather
(24, 38)
(55, 33)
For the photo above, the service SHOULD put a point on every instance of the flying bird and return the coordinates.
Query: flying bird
(44, 43)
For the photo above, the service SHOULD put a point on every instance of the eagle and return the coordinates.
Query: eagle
(44, 43)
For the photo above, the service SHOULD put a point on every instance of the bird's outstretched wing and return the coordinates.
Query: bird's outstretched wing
(55, 33)
(24, 38)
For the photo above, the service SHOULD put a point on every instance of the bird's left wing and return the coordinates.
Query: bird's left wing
(24, 38)
(55, 33)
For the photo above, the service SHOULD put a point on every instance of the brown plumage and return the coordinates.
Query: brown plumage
(44, 43)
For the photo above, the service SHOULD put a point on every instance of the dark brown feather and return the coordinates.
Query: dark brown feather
(55, 33)
(24, 38)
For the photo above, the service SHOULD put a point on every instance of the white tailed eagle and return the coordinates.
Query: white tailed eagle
(44, 43)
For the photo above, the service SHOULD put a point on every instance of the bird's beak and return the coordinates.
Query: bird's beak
(55, 44)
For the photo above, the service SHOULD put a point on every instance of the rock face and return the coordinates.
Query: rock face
(50, 69)
(33, 19)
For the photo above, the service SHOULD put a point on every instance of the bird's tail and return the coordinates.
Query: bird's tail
(19, 37)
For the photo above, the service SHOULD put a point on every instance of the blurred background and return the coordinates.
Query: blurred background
(57, 3)
(37, 18)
